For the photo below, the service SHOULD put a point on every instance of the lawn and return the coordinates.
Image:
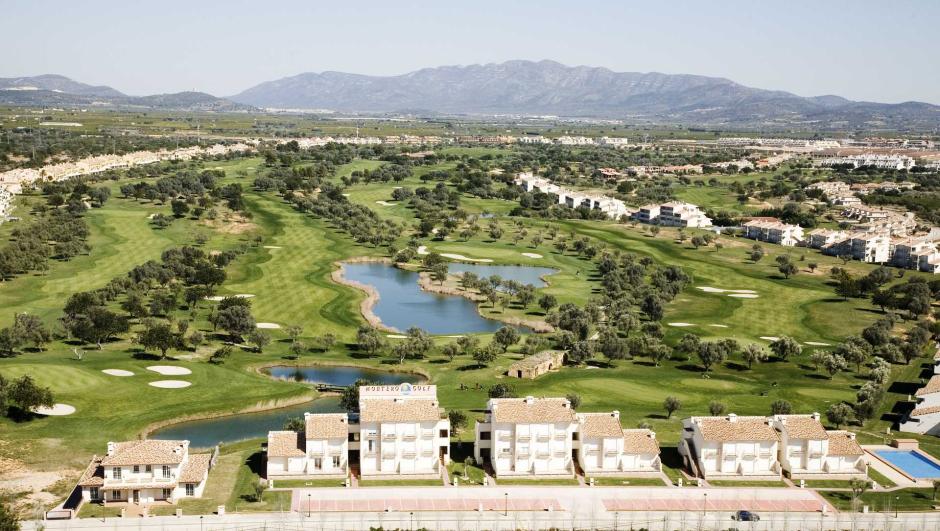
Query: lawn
(542, 482)
(900, 500)
(307, 483)
(401, 483)
(605, 481)
(744, 483)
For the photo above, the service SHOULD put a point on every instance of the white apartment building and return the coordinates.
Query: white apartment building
(807, 449)
(574, 141)
(679, 214)
(832, 189)
(613, 208)
(910, 251)
(772, 230)
(602, 446)
(145, 472)
(322, 450)
(527, 437)
(731, 446)
(825, 238)
(402, 430)
(870, 247)
(610, 141)
(647, 214)
(925, 417)
(886, 162)
(533, 139)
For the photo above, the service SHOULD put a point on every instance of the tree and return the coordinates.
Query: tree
(858, 486)
(458, 420)
(710, 353)
(716, 408)
(439, 272)
(236, 320)
(936, 487)
(451, 351)
(547, 302)
(506, 337)
(296, 424)
(97, 324)
(486, 355)
(179, 207)
(840, 414)
(854, 350)
(611, 345)
(369, 340)
(9, 342)
(780, 407)
(26, 395)
(689, 344)
(574, 399)
(833, 364)
(30, 329)
(526, 295)
(259, 338)
(9, 521)
(580, 352)
(220, 355)
(785, 347)
(158, 335)
(294, 332)
(468, 345)
(501, 390)
(788, 269)
(671, 405)
(697, 241)
(754, 353)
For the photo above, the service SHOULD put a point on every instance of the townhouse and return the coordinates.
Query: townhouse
(730, 446)
(527, 437)
(925, 417)
(808, 450)
(145, 472)
(679, 214)
(321, 450)
(603, 447)
(888, 162)
(772, 230)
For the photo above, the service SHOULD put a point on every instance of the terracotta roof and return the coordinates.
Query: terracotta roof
(539, 410)
(327, 426)
(599, 425)
(285, 444)
(93, 475)
(803, 427)
(741, 429)
(932, 386)
(148, 452)
(640, 441)
(843, 443)
(924, 411)
(398, 410)
(196, 468)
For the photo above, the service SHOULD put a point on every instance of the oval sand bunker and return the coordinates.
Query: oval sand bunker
(170, 384)
(169, 370)
(268, 326)
(57, 410)
(117, 372)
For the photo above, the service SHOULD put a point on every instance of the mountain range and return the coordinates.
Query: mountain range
(520, 88)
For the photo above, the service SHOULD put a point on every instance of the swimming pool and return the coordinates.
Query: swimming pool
(911, 463)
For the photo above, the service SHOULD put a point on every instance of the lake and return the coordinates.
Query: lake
(403, 304)
(335, 375)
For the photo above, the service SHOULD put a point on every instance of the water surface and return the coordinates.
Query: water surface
(340, 375)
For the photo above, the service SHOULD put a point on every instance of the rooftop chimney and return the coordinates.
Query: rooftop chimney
(815, 416)
(615, 414)
(111, 447)
(732, 417)
(529, 400)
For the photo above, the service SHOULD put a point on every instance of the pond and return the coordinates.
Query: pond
(403, 304)
(340, 375)
(209, 432)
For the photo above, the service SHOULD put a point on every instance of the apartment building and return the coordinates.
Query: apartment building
(925, 417)
(808, 450)
(886, 162)
(825, 238)
(321, 450)
(679, 214)
(647, 214)
(730, 446)
(611, 207)
(772, 230)
(602, 446)
(910, 251)
(527, 437)
(616, 142)
(871, 247)
(831, 188)
(145, 472)
(402, 431)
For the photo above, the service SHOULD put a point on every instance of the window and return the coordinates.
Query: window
(335, 461)
(318, 463)
(485, 435)
(116, 472)
(190, 489)
(166, 472)
(352, 437)
(443, 434)
(94, 494)
(371, 446)
(575, 436)
(137, 469)
(148, 469)
(167, 493)
(115, 495)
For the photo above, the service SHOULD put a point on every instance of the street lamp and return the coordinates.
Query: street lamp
(200, 523)
(705, 505)
(897, 499)
(308, 505)
(506, 506)
(412, 516)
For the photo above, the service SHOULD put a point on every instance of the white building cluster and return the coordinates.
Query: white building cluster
(772, 230)
(795, 445)
(785, 144)
(612, 207)
(673, 214)
(885, 162)
(925, 417)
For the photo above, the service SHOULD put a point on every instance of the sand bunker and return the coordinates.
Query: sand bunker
(719, 325)
(709, 289)
(396, 336)
(169, 370)
(743, 295)
(384, 203)
(271, 247)
(268, 326)
(57, 410)
(215, 298)
(117, 372)
(170, 384)
(345, 195)
(817, 344)
(244, 295)
(770, 338)
(151, 216)
(423, 250)
(680, 324)
(532, 255)
(464, 258)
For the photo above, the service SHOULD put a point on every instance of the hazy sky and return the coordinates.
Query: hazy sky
(869, 50)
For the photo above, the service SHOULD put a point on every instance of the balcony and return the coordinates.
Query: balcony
(524, 438)
(560, 437)
(523, 455)
(543, 438)
(134, 481)
(505, 437)
(409, 438)
(388, 437)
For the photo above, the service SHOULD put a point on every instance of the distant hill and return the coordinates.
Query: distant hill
(550, 88)
(55, 90)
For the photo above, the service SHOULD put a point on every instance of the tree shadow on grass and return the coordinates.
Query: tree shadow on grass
(657, 416)
(471, 367)
(439, 361)
(689, 367)
(816, 376)
(737, 366)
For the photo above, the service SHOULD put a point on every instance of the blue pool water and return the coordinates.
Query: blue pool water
(912, 463)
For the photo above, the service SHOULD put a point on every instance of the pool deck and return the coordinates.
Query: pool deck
(899, 478)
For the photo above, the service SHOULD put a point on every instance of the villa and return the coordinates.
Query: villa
(807, 449)
(925, 417)
(527, 437)
(602, 446)
(322, 450)
(145, 472)
(772, 230)
(674, 214)
(731, 446)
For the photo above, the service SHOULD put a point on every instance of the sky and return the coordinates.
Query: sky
(883, 51)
